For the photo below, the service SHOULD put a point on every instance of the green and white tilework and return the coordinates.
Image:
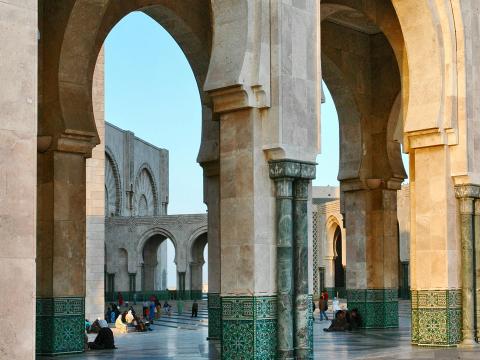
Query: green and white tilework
(436, 317)
(378, 307)
(249, 328)
(60, 325)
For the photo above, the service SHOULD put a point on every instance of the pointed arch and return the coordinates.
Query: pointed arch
(113, 192)
(145, 192)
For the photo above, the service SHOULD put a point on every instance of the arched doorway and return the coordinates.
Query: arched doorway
(197, 253)
(154, 266)
(339, 264)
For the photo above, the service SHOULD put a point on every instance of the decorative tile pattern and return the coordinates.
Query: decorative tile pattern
(436, 317)
(249, 327)
(378, 307)
(214, 316)
(60, 325)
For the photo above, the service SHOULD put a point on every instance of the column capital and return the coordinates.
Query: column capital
(467, 191)
(292, 168)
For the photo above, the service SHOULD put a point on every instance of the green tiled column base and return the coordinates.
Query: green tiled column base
(249, 327)
(436, 317)
(378, 307)
(214, 316)
(60, 325)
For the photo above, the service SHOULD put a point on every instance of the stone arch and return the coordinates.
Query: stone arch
(147, 251)
(349, 118)
(146, 186)
(196, 246)
(113, 184)
(330, 226)
(193, 239)
(149, 234)
(189, 22)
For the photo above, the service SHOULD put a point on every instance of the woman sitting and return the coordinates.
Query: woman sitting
(121, 322)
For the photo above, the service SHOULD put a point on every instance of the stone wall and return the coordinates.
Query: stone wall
(18, 149)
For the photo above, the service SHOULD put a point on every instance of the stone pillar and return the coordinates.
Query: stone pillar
(61, 248)
(465, 195)
(302, 315)
(434, 247)
(284, 268)
(212, 199)
(294, 309)
(372, 255)
(477, 266)
(19, 49)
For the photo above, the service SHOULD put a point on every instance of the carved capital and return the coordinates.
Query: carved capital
(467, 191)
(292, 168)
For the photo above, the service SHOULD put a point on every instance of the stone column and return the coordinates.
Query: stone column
(465, 194)
(302, 315)
(284, 267)
(372, 255)
(294, 323)
(61, 248)
(477, 266)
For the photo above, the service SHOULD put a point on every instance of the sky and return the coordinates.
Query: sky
(150, 89)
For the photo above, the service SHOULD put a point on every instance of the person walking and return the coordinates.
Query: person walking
(194, 308)
(323, 307)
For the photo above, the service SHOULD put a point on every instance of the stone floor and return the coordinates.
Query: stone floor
(172, 342)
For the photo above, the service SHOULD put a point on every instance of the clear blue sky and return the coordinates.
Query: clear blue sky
(150, 89)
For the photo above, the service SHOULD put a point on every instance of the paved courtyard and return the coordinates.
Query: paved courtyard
(179, 338)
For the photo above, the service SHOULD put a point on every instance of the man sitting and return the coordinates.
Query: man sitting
(104, 339)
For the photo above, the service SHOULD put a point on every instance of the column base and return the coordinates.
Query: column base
(249, 327)
(470, 343)
(214, 317)
(436, 317)
(377, 307)
(60, 325)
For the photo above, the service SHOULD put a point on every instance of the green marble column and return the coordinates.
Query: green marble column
(466, 202)
(294, 319)
(284, 268)
(477, 266)
(302, 316)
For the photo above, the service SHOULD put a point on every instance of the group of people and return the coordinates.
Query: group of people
(343, 319)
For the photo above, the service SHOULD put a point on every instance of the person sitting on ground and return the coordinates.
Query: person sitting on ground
(121, 322)
(95, 327)
(129, 317)
(104, 339)
(339, 323)
(355, 320)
